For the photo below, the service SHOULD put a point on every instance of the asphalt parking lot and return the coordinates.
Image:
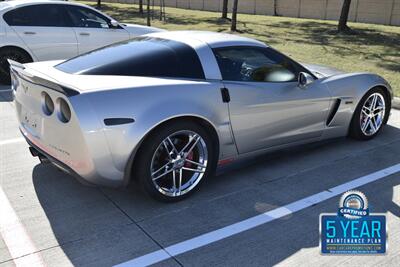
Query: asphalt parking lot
(48, 218)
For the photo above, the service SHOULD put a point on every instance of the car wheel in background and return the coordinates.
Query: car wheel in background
(174, 161)
(15, 54)
(371, 115)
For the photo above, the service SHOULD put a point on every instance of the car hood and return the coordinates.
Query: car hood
(322, 71)
(135, 29)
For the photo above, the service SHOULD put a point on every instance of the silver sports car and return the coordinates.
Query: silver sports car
(168, 108)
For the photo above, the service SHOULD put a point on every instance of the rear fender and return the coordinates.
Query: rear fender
(150, 107)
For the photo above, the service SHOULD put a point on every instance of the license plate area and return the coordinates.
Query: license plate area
(30, 121)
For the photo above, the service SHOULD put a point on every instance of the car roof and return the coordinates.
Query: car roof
(6, 5)
(16, 3)
(212, 39)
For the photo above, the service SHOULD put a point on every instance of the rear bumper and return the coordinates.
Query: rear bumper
(77, 146)
(92, 179)
(58, 164)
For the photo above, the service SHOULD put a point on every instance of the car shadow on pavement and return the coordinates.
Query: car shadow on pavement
(103, 227)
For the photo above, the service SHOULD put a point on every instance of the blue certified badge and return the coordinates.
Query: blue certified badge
(353, 230)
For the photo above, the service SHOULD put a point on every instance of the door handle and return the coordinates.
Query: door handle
(30, 33)
(84, 34)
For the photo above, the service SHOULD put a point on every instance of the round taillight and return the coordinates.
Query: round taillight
(47, 104)
(64, 112)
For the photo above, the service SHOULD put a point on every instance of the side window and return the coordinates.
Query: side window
(86, 18)
(253, 64)
(46, 15)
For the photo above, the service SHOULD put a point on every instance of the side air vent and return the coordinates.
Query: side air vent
(118, 121)
(333, 111)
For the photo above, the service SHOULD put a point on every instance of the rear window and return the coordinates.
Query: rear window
(46, 15)
(141, 56)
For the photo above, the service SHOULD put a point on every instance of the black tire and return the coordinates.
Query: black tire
(151, 144)
(355, 130)
(15, 54)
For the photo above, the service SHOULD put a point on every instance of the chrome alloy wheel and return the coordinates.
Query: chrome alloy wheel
(179, 163)
(372, 114)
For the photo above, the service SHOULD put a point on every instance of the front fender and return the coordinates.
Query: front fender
(355, 84)
(350, 89)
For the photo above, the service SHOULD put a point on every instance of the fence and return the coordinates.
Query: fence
(369, 11)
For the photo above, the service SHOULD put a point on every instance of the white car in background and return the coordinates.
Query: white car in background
(49, 30)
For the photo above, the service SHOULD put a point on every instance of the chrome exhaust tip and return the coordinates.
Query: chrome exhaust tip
(43, 159)
(34, 152)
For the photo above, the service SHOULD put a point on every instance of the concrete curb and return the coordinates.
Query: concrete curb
(396, 103)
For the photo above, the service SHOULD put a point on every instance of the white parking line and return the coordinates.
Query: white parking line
(255, 221)
(15, 236)
(12, 141)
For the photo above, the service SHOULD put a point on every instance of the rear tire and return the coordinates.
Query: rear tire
(15, 54)
(371, 115)
(184, 152)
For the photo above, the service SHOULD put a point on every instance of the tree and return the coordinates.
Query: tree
(234, 15)
(225, 9)
(162, 10)
(141, 6)
(148, 13)
(344, 16)
(98, 4)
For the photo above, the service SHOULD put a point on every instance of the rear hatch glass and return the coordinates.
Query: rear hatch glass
(141, 56)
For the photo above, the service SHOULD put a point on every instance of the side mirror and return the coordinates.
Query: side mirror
(305, 79)
(114, 24)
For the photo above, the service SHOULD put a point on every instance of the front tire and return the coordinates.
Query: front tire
(174, 160)
(15, 54)
(371, 114)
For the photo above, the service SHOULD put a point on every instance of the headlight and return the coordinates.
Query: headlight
(47, 104)
(64, 112)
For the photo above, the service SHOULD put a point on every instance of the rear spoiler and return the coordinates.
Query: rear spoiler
(18, 69)
(15, 64)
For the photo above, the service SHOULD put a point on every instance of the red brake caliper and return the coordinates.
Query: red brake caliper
(189, 157)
